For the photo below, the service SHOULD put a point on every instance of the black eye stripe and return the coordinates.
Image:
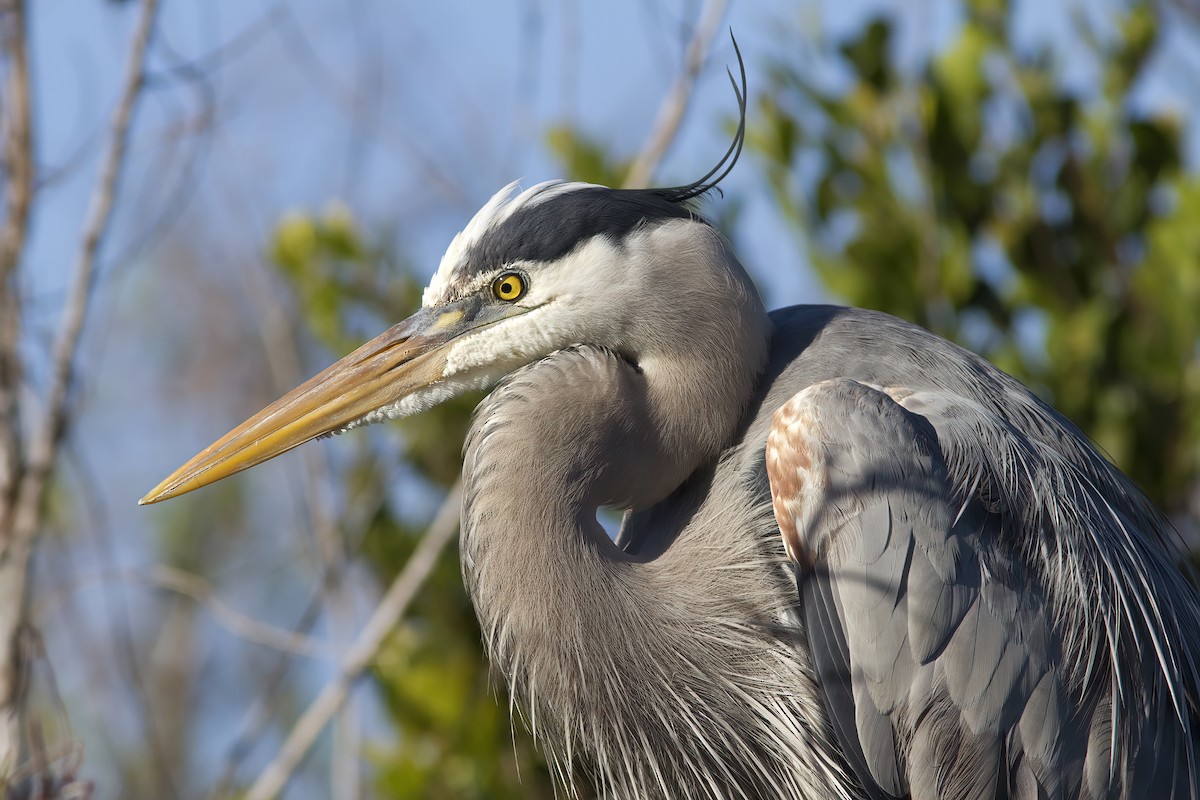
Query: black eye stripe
(547, 231)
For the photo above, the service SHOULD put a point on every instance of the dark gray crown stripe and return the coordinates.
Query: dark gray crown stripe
(548, 230)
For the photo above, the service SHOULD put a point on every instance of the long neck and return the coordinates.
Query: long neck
(557, 601)
(585, 427)
(547, 447)
(560, 438)
(658, 675)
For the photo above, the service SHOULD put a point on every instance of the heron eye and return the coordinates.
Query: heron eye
(509, 287)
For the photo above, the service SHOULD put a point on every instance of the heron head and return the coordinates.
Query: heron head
(556, 265)
(536, 271)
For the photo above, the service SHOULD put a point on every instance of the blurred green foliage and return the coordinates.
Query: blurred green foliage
(585, 159)
(1051, 229)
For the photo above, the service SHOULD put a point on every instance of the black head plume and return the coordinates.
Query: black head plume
(680, 194)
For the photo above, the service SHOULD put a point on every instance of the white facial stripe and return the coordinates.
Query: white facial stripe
(508, 344)
(494, 211)
(462, 241)
(499, 208)
(438, 284)
(553, 321)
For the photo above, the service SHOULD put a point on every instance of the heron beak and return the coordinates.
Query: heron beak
(400, 361)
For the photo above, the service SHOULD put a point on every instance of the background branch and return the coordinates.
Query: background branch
(18, 199)
(675, 105)
(187, 584)
(48, 434)
(389, 612)
(23, 525)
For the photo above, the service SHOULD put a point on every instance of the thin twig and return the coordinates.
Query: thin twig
(223, 55)
(48, 771)
(675, 105)
(258, 715)
(300, 50)
(391, 609)
(190, 585)
(360, 513)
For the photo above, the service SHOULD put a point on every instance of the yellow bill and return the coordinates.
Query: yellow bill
(395, 364)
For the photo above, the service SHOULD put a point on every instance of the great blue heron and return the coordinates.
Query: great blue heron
(857, 560)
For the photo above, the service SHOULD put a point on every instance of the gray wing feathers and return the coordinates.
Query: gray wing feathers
(832, 660)
(947, 642)
(938, 600)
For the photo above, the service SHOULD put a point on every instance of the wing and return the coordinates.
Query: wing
(931, 635)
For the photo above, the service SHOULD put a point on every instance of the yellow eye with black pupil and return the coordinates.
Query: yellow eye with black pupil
(509, 287)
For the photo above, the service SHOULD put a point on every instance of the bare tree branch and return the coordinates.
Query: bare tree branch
(258, 715)
(22, 527)
(47, 435)
(18, 198)
(19, 164)
(48, 772)
(674, 106)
